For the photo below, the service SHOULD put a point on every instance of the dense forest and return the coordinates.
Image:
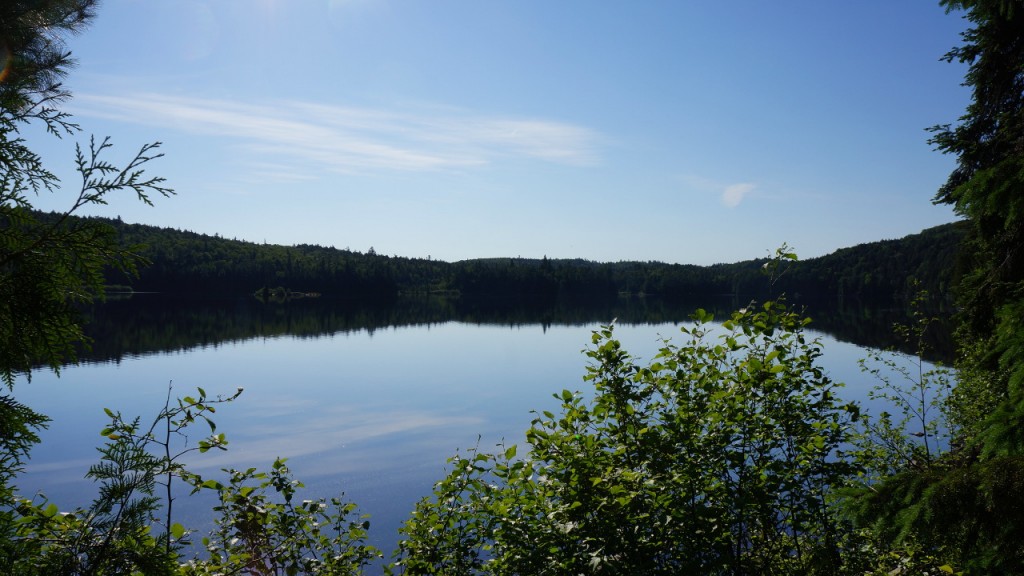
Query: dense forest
(186, 262)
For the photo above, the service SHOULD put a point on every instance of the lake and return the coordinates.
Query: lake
(365, 399)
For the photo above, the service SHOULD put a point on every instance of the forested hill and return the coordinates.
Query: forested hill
(188, 262)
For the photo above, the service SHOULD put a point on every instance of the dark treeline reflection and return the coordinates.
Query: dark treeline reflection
(153, 323)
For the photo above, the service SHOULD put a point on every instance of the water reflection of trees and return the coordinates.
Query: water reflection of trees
(153, 323)
(873, 327)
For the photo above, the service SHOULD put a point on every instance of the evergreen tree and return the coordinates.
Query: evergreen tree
(46, 267)
(968, 506)
(987, 187)
(32, 50)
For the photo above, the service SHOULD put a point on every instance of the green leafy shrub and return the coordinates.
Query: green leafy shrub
(920, 427)
(261, 529)
(719, 457)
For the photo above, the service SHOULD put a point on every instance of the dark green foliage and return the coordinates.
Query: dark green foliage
(18, 433)
(971, 513)
(47, 267)
(977, 394)
(19, 427)
(988, 144)
(187, 262)
(885, 271)
(986, 187)
(32, 52)
(966, 506)
(1003, 430)
(45, 270)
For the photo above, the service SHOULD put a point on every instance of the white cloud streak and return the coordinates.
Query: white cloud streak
(331, 430)
(345, 139)
(735, 193)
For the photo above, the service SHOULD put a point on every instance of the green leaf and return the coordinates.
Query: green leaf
(177, 531)
(510, 453)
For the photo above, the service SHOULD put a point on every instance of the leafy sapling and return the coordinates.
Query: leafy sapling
(261, 528)
(114, 534)
(917, 432)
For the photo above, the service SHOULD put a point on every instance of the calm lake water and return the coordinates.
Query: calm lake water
(365, 401)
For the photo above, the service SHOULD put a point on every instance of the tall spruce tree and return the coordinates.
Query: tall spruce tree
(968, 507)
(987, 187)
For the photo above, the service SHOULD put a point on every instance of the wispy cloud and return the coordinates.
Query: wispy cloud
(735, 193)
(350, 139)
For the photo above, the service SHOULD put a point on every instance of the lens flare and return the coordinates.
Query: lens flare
(6, 59)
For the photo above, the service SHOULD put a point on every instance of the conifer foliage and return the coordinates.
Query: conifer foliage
(47, 267)
(966, 506)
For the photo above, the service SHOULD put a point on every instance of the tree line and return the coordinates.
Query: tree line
(187, 262)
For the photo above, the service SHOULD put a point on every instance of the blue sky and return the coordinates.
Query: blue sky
(679, 131)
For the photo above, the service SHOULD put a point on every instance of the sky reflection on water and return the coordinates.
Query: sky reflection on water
(374, 415)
